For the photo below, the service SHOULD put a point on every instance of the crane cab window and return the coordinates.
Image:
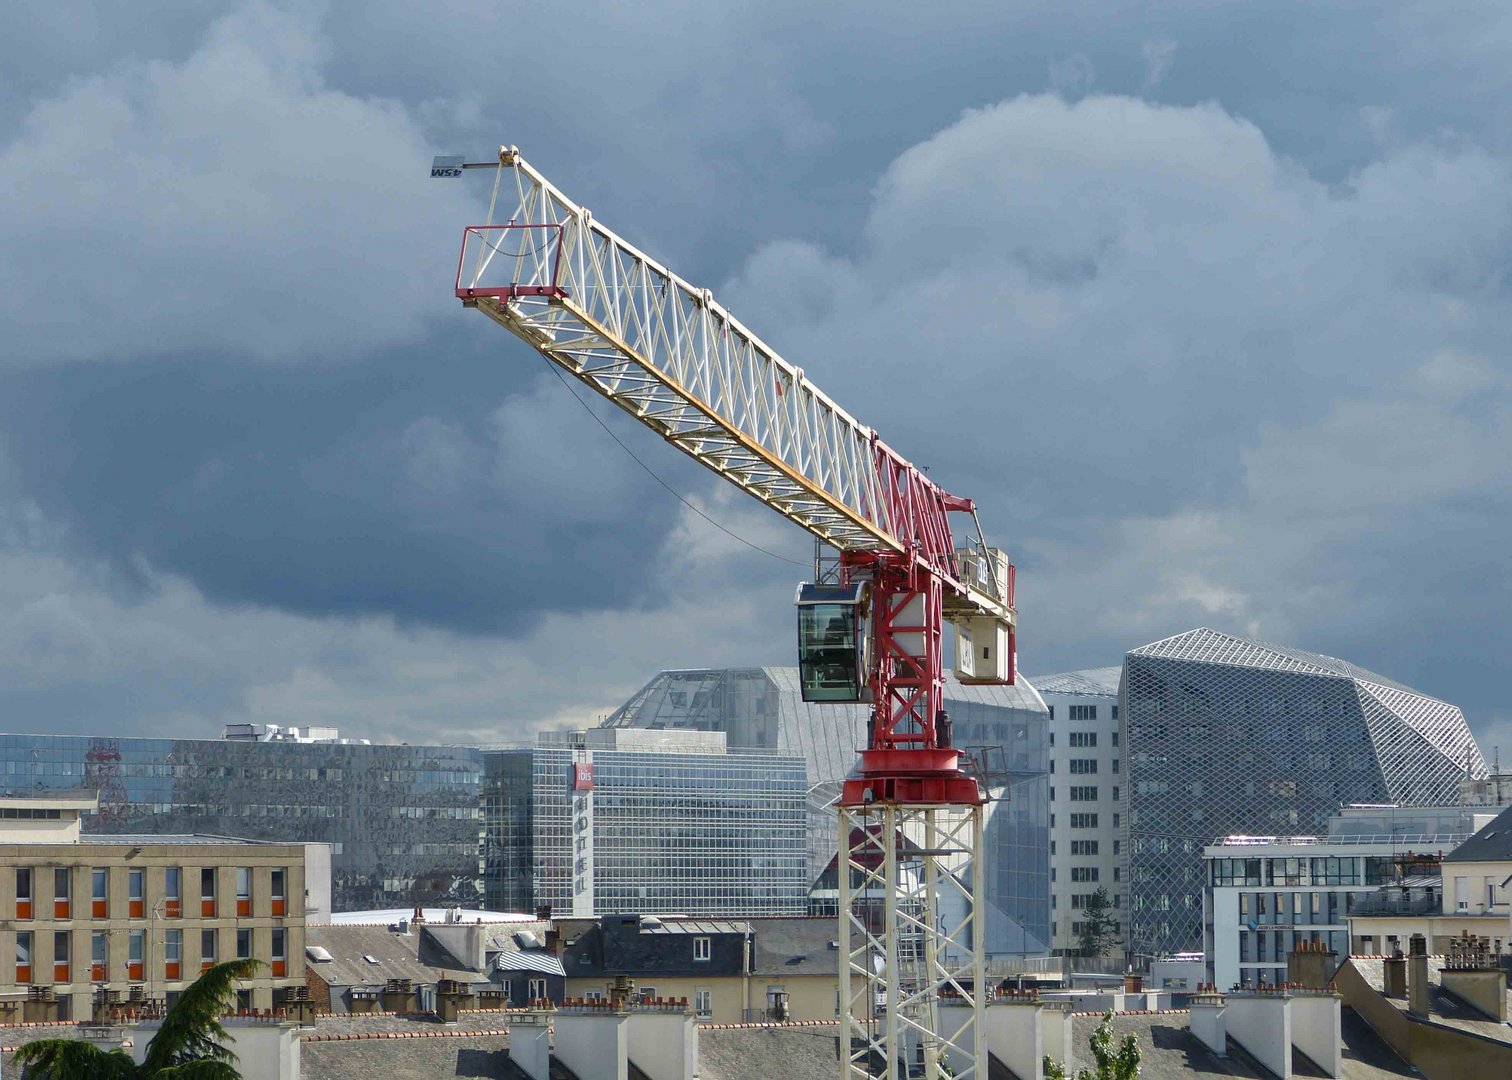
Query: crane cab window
(832, 642)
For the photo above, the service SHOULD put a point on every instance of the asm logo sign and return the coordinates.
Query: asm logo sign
(446, 167)
(582, 776)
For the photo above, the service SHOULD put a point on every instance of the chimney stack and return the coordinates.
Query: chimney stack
(1417, 975)
(1395, 967)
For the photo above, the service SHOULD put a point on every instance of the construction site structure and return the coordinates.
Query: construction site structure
(911, 818)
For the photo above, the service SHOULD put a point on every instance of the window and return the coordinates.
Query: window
(280, 958)
(1115, 821)
(134, 905)
(244, 890)
(23, 892)
(62, 893)
(208, 950)
(1084, 821)
(173, 899)
(1115, 794)
(173, 954)
(99, 892)
(1084, 794)
(1083, 766)
(1083, 738)
(278, 891)
(1084, 847)
(1084, 873)
(244, 944)
(23, 956)
(1115, 766)
(1084, 712)
(703, 1002)
(535, 989)
(648, 993)
(700, 948)
(1117, 847)
(99, 956)
(136, 947)
(62, 968)
(207, 892)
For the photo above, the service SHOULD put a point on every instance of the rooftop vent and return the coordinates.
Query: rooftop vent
(319, 953)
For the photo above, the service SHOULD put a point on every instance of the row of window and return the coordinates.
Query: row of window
(1088, 873)
(1084, 793)
(172, 903)
(1087, 847)
(136, 947)
(1084, 766)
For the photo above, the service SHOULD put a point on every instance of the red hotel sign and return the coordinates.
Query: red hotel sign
(582, 776)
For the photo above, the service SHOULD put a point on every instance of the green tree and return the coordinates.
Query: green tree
(188, 1044)
(1099, 927)
(1119, 1064)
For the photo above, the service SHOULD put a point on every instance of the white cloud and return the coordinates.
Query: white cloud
(1159, 54)
(228, 201)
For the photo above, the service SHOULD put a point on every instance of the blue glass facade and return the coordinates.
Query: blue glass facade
(704, 834)
(403, 821)
(762, 708)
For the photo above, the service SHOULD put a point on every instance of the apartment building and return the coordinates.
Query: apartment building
(1087, 799)
(140, 916)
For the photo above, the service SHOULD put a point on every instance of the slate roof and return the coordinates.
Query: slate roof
(795, 946)
(1443, 1008)
(792, 1052)
(1492, 844)
(397, 956)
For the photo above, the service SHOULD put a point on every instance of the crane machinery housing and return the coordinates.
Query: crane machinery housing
(912, 955)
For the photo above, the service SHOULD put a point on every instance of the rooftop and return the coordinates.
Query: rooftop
(1094, 682)
(371, 955)
(1491, 844)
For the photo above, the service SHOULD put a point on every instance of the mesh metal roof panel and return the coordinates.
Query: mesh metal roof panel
(1099, 682)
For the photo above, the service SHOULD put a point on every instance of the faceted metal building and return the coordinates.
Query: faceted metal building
(1229, 736)
(762, 708)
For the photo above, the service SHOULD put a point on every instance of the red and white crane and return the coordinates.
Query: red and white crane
(669, 354)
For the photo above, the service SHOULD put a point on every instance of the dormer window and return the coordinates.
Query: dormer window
(700, 948)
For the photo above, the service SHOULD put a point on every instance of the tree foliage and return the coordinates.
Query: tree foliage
(188, 1044)
(1121, 1063)
(1099, 926)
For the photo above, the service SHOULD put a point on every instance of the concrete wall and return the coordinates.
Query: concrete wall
(663, 1045)
(264, 1051)
(595, 1046)
(1315, 1026)
(1262, 1024)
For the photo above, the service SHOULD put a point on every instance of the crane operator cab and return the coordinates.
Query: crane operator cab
(833, 642)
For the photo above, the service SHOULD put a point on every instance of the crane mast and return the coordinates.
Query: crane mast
(911, 818)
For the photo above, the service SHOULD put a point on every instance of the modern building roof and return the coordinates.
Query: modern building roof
(1492, 844)
(1095, 682)
(432, 915)
(1215, 647)
(151, 839)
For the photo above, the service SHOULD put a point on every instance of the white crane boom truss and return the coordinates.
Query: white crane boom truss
(667, 353)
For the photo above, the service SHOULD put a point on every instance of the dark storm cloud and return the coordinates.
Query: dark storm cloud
(1237, 360)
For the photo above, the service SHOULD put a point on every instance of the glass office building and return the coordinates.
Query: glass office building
(403, 822)
(763, 709)
(626, 821)
(1228, 736)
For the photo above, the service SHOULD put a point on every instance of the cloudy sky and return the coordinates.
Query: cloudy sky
(1205, 304)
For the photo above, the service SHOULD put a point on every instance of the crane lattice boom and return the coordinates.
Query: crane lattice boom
(670, 355)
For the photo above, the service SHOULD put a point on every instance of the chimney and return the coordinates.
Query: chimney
(1260, 1020)
(1417, 975)
(1310, 964)
(1208, 1023)
(1395, 968)
(530, 1043)
(1133, 983)
(1473, 973)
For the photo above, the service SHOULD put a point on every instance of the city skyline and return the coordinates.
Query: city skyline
(1205, 309)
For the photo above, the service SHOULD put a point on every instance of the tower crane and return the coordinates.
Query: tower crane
(912, 963)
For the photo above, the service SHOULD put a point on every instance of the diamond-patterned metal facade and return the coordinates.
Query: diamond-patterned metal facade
(1229, 736)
